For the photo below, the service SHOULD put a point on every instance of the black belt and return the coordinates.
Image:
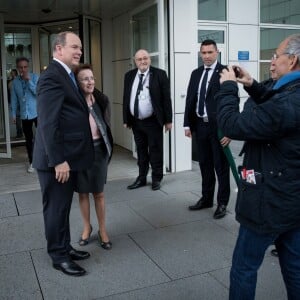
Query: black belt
(148, 118)
(203, 119)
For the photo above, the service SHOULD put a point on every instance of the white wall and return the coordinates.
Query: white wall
(183, 16)
(243, 35)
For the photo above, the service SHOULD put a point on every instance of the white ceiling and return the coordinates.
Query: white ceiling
(43, 11)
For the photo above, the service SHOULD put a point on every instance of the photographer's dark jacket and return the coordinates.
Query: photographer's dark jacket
(272, 132)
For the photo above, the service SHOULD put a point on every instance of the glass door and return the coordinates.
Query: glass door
(219, 35)
(18, 43)
(149, 31)
(5, 147)
(93, 47)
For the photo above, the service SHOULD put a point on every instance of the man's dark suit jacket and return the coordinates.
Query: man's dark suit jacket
(190, 116)
(159, 87)
(63, 132)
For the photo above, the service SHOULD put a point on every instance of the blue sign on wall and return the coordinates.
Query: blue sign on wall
(243, 55)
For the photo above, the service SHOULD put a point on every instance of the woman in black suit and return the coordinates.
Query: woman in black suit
(93, 179)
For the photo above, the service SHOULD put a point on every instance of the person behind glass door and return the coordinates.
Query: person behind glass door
(19, 130)
(200, 117)
(93, 179)
(147, 108)
(23, 94)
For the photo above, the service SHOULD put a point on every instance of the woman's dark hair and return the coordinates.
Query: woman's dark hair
(82, 67)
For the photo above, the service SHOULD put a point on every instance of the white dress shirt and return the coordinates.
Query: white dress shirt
(210, 72)
(145, 104)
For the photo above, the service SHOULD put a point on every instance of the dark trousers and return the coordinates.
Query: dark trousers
(19, 126)
(248, 256)
(148, 136)
(57, 200)
(28, 132)
(212, 159)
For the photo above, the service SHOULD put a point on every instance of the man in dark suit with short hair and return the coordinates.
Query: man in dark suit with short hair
(63, 146)
(146, 109)
(200, 118)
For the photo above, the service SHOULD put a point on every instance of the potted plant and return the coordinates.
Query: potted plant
(20, 48)
(10, 49)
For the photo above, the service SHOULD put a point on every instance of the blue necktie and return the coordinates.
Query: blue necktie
(203, 93)
(73, 79)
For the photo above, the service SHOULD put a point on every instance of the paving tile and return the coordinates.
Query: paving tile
(189, 181)
(29, 202)
(8, 206)
(21, 233)
(120, 219)
(269, 280)
(229, 223)
(188, 249)
(116, 191)
(18, 280)
(171, 210)
(121, 269)
(192, 288)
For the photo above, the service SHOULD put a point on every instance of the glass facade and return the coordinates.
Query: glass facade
(270, 39)
(283, 14)
(17, 43)
(214, 10)
(216, 35)
(280, 12)
(145, 30)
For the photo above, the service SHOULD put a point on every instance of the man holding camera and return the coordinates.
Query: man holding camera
(200, 119)
(268, 206)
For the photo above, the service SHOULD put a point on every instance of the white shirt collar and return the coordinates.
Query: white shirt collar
(212, 67)
(63, 65)
(145, 73)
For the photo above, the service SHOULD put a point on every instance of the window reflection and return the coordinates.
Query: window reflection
(212, 10)
(280, 12)
(270, 38)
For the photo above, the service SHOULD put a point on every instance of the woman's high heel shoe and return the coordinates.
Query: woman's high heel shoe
(84, 242)
(104, 245)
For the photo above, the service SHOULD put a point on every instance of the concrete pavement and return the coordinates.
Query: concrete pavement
(161, 250)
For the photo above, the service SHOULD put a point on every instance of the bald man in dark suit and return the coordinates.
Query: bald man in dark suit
(147, 109)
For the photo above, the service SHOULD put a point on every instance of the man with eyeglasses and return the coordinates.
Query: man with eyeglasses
(23, 95)
(268, 201)
(147, 109)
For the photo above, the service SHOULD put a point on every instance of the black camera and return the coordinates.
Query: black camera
(237, 71)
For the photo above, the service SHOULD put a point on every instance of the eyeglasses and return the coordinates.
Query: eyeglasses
(275, 55)
(140, 59)
(87, 79)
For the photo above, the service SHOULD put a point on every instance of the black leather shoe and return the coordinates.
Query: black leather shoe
(274, 252)
(70, 268)
(155, 185)
(200, 205)
(138, 183)
(220, 212)
(84, 242)
(78, 255)
(105, 245)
